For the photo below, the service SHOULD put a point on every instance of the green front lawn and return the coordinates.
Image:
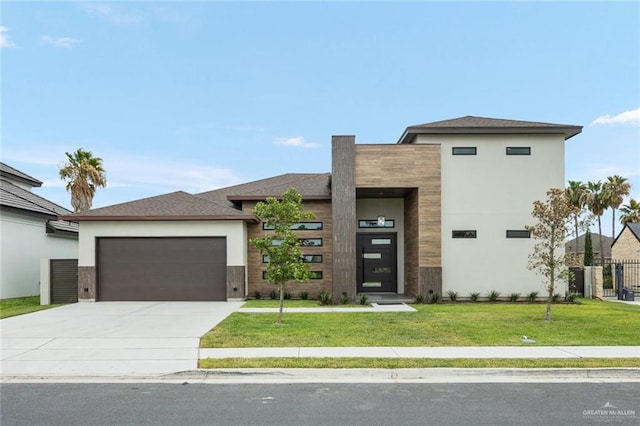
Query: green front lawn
(21, 305)
(591, 323)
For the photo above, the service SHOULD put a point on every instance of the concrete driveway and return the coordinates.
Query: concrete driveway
(108, 339)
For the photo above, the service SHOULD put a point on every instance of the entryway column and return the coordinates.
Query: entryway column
(343, 210)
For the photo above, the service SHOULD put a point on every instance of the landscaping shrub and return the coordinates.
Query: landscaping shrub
(304, 295)
(273, 295)
(571, 297)
(555, 298)
(531, 297)
(453, 295)
(474, 295)
(493, 295)
(258, 296)
(345, 298)
(324, 298)
(363, 299)
(436, 297)
(419, 298)
(287, 295)
(513, 297)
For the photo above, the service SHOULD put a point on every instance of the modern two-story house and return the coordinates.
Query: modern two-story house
(443, 209)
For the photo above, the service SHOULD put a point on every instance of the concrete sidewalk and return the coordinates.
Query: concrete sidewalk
(428, 352)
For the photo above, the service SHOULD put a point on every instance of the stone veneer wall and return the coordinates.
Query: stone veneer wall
(86, 283)
(343, 212)
(411, 243)
(255, 267)
(626, 247)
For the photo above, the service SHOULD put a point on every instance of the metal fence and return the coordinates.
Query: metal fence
(619, 274)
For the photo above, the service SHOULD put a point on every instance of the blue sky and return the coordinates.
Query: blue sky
(199, 95)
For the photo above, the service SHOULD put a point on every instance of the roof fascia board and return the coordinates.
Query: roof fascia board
(411, 132)
(247, 218)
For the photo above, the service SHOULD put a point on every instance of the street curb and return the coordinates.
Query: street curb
(359, 375)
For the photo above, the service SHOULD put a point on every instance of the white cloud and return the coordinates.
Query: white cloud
(628, 117)
(110, 14)
(4, 38)
(65, 42)
(297, 142)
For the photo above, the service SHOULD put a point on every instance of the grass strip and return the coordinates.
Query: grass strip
(21, 305)
(417, 363)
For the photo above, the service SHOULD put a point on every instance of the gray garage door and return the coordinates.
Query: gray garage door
(162, 269)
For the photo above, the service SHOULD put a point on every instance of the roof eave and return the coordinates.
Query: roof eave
(411, 132)
(264, 197)
(88, 218)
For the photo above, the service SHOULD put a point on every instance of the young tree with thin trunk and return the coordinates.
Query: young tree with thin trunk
(553, 226)
(615, 189)
(286, 261)
(84, 174)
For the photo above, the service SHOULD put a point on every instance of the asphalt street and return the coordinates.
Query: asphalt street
(161, 404)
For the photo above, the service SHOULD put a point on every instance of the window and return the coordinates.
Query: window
(311, 242)
(518, 150)
(464, 150)
(518, 233)
(305, 242)
(314, 275)
(302, 226)
(463, 234)
(312, 258)
(307, 258)
(374, 223)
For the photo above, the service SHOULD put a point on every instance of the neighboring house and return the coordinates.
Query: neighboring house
(627, 244)
(570, 247)
(30, 231)
(443, 209)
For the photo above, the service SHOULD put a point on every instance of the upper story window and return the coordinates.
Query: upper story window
(464, 234)
(464, 150)
(518, 233)
(302, 226)
(518, 150)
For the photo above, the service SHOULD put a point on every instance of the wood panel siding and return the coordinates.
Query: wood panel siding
(255, 266)
(408, 166)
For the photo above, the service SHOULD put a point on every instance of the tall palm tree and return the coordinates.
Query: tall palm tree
(577, 194)
(84, 173)
(630, 212)
(597, 205)
(615, 188)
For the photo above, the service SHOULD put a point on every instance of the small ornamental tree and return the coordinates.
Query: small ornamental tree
(588, 249)
(553, 226)
(286, 261)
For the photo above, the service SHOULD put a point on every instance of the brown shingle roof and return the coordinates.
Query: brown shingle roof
(312, 186)
(470, 125)
(174, 206)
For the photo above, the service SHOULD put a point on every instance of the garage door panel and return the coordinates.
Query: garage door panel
(159, 269)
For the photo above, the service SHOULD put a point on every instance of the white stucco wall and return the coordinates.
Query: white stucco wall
(492, 192)
(391, 208)
(24, 242)
(234, 230)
